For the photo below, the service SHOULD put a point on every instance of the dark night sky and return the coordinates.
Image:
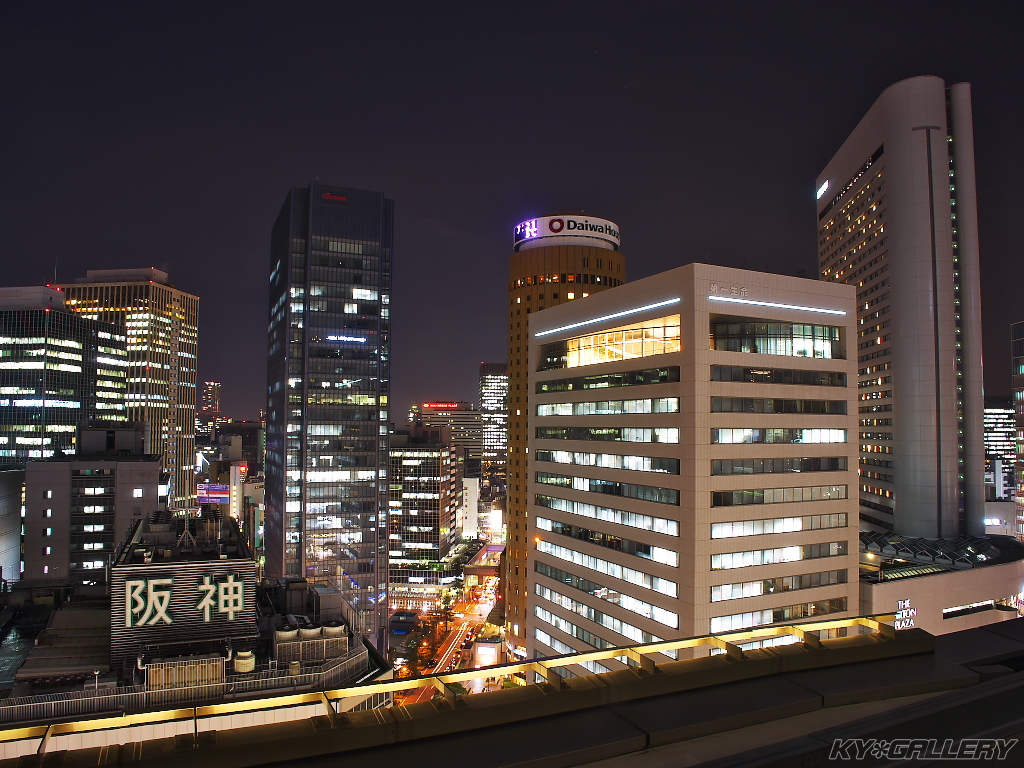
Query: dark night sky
(145, 134)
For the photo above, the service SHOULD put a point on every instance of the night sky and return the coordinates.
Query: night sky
(167, 135)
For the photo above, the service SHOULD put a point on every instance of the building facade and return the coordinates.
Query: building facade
(494, 415)
(1017, 376)
(79, 509)
(463, 424)
(58, 371)
(328, 371)
(208, 412)
(898, 219)
(423, 530)
(161, 323)
(1000, 448)
(556, 259)
(692, 459)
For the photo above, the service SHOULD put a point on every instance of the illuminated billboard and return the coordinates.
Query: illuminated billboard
(567, 226)
(210, 493)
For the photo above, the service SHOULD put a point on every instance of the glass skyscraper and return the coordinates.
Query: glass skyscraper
(58, 372)
(327, 380)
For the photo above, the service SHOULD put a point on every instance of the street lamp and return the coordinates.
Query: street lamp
(96, 675)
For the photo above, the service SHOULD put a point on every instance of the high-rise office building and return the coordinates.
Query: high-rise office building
(425, 484)
(898, 219)
(693, 459)
(208, 413)
(327, 424)
(464, 425)
(1000, 448)
(555, 259)
(58, 372)
(494, 415)
(162, 327)
(1017, 377)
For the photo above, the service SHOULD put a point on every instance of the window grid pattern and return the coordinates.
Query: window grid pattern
(599, 617)
(610, 541)
(627, 602)
(632, 575)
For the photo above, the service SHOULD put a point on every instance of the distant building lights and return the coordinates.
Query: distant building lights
(821, 190)
(610, 317)
(776, 306)
(355, 339)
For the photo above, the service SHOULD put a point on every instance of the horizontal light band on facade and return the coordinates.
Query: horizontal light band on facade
(609, 317)
(766, 304)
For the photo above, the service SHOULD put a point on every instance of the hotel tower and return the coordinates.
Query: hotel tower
(898, 220)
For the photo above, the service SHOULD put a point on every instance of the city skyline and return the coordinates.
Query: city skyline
(155, 157)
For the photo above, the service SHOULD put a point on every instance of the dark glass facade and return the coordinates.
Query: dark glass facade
(58, 371)
(328, 370)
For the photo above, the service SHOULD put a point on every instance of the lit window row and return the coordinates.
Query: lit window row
(787, 339)
(777, 495)
(610, 407)
(618, 516)
(729, 560)
(772, 586)
(778, 435)
(776, 405)
(627, 490)
(614, 434)
(633, 576)
(774, 615)
(656, 337)
(610, 541)
(643, 377)
(776, 525)
(610, 461)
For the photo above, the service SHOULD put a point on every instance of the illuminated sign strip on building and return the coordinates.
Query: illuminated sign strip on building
(609, 317)
(776, 306)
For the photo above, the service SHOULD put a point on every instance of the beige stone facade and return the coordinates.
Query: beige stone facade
(692, 459)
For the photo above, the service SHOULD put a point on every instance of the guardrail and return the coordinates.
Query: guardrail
(138, 698)
(191, 721)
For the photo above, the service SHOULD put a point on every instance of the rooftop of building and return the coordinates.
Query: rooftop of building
(31, 297)
(178, 539)
(139, 275)
(901, 557)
